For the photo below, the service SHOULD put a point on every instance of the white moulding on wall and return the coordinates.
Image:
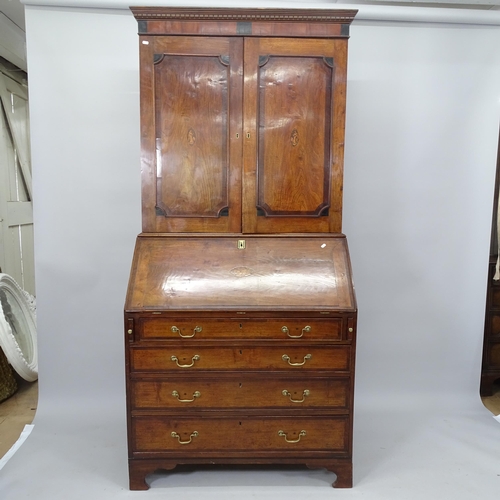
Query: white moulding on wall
(18, 337)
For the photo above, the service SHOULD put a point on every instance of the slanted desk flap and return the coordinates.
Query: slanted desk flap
(213, 273)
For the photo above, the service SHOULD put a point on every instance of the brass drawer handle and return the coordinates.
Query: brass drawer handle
(285, 357)
(305, 393)
(175, 435)
(196, 329)
(196, 357)
(285, 329)
(196, 394)
(282, 434)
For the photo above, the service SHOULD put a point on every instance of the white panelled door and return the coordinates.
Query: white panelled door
(16, 209)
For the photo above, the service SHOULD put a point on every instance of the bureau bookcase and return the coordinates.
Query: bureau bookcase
(490, 371)
(240, 316)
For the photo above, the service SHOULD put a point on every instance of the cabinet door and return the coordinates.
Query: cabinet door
(294, 110)
(191, 113)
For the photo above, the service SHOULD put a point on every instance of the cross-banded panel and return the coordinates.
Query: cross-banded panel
(191, 102)
(295, 110)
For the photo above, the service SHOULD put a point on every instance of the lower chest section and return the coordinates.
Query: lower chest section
(263, 386)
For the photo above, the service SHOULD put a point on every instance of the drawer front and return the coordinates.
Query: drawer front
(242, 358)
(494, 356)
(495, 325)
(281, 434)
(241, 393)
(495, 296)
(207, 329)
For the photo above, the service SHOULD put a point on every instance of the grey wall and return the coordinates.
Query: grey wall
(422, 132)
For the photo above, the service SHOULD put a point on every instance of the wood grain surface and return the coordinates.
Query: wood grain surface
(236, 357)
(177, 328)
(153, 434)
(240, 316)
(212, 273)
(241, 392)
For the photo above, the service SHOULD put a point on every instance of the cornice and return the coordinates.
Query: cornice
(243, 14)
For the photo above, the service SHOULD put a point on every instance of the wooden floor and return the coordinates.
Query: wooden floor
(493, 402)
(16, 412)
(19, 410)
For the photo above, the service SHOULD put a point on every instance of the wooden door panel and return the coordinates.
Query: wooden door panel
(295, 98)
(191, 139)
(294, 107)
(191, 107)
(16, 208)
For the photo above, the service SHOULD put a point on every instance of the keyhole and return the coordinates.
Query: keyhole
(240, 352)
(240, 385)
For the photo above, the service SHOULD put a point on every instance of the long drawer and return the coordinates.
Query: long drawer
(211, 329)
(240, 392)
(286, 357)
(494, 355)
(286, 435)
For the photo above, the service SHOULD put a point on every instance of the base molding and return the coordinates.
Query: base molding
(139, 469)
(487, 381)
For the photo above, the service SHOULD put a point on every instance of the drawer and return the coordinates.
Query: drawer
(284, 357)
(240, 392)
(494, 355)
(495, 296)
(208, 328)
(280, 434)
(495, 325)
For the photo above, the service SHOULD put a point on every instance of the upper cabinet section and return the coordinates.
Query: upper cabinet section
(242, 119)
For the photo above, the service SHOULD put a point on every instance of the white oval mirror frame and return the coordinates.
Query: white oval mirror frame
(18, 337)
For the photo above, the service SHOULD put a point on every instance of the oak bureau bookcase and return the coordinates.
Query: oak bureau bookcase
(240, 316)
